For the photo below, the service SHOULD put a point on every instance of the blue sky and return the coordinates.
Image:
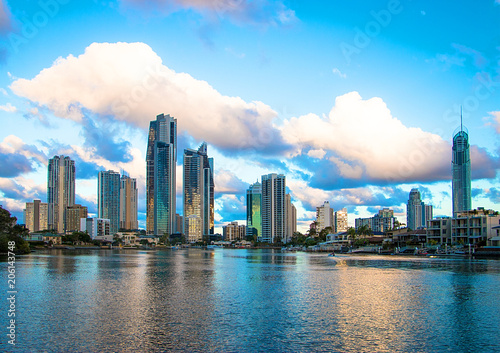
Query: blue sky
(355, 102)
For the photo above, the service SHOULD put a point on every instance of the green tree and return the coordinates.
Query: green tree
(10, 231)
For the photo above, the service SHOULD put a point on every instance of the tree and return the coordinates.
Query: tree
(10, 231)
(351, 234)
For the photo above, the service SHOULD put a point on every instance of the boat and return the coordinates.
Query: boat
(331, 254)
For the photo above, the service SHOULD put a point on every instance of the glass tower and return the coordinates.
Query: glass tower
(254, 211)
(461, 182)
(161, 158)
(273, 208)
(198, 194)
(108, 199)
(60, 190)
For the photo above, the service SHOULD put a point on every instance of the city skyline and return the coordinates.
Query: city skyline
(355, 103)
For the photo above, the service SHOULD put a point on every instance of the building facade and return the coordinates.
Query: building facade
(254, 211)
(161, 160)
(198, 191)
(60, 190)
(74, 214)
(234, 232)
(36, 216)
(324, 216)
(417, 212)
(461, 169)
(273, 208)
(108, 198)
(383, 221)
(128, 203)
(97, 228)
(291, 219)
(474, 226)
(439, 230)
(341, 221)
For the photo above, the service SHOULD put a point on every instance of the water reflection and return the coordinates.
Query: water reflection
(254, 300)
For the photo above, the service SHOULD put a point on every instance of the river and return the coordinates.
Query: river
(245, 300)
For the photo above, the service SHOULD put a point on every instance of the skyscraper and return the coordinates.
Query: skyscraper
(60, 190)
(324, 216)
(161, 161)
(36, 215)
(273, 208)
(461, 181)
(341, 221)
(417, 212)
(291, 218)
(108, 199)
(198, 194)
(254, 211)
(128, 203)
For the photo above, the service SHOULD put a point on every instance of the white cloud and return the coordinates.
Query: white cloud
(14, 145)
(318, 154)
(362, 138)
(338, 73)
(129, 82)
(8, 108)
(495, 120)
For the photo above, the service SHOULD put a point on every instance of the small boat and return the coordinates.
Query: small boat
(331, 254)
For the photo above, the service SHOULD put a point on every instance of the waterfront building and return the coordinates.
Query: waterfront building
(273, 208)
(383, 221)
(254, 211)
(73, 216)
(324, 216)
(108, 198)
(341, 223)
(128, 203)
(417, 212)
(161, 159)
(179, 228)
(461, 168)
(439, 230)
(97, 228)
(198, 191)
(291, 219)
(234, 232)
(473, 226)
(60, 190)
(36, 215)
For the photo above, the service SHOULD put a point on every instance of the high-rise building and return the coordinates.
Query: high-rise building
(73, 215)
(234, 231)
(36, 215)
(461, 167)
(273, 208)
(108, 198)
(128, 203)
(60, 190)
(291, 219)
(198, 194)
(324, 216)
(254, 211)
(417, 212)
(161, 159)
(383, 221)
(341, 222)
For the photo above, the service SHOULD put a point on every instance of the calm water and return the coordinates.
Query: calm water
(251, 301)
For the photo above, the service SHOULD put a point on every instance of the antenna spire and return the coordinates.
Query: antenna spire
(461, 128)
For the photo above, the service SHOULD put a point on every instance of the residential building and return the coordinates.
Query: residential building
(97, 228)
(73, 216)
(340, 221)
(36, 215)
(179, 228)
(461, 168)
(198, 195)
(161, 159)
(417, 212)
(234, 232)
(291, 218)
(324, 216)
(383, 221)
(108, 198)
(439, 230)
(128, 203)
(273, 208)
(254, 211)
(474, 226)
(60, 190)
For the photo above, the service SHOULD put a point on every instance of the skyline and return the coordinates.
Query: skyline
(356, 104)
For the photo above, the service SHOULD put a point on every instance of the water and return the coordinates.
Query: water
(251, 301)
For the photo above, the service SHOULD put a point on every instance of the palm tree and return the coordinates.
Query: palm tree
(351, 234)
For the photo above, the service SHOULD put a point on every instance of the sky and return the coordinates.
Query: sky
(355, 102)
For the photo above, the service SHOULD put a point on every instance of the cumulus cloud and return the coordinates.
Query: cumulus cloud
(364, 142)
(226, 182)
(129, 82)
(9, 108)
(254, 12)
(494, 120)
(17, 158)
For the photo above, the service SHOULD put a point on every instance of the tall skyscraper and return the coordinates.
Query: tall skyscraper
(417, 212)
(108, 199)
(198, 194)
(36, 215)
(273, 208)
(291, 218)
(254, 211)
(161, 161)
(128, 203)
(461, 182)
(60, 190)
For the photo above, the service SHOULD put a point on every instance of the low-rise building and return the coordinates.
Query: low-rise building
(474, 226)
(439, 230)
